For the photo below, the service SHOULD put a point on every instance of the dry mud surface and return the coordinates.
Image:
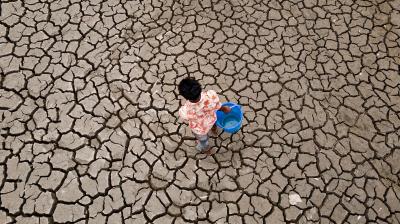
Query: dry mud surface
(89, 106)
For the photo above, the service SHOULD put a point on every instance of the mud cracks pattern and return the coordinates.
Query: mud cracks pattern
(88, 107)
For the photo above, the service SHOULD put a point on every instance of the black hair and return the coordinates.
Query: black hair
(190, 89)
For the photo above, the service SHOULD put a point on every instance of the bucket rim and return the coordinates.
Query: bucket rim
(239, 122)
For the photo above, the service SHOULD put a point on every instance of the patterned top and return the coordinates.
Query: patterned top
(201, 115)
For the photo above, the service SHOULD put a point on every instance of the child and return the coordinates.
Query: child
(199, 110)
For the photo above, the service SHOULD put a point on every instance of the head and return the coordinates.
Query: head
(190, 89)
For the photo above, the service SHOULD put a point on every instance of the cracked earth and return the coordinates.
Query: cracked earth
(89, 111)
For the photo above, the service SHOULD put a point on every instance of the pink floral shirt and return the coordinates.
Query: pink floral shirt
(201, 115)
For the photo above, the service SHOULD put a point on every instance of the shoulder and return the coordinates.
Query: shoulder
(212, 94)
(183, 108)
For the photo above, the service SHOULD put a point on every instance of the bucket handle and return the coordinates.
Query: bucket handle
(235, 106)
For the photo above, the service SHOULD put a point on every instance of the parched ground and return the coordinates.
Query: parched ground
(89, 111)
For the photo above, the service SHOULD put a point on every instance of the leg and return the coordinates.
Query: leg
(202, 145)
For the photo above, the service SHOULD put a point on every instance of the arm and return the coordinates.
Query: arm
(215, 104)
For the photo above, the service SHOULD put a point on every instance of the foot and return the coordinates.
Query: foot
(214, 130)
(208, 152)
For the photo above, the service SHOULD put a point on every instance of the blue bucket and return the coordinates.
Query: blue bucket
(232, 121)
